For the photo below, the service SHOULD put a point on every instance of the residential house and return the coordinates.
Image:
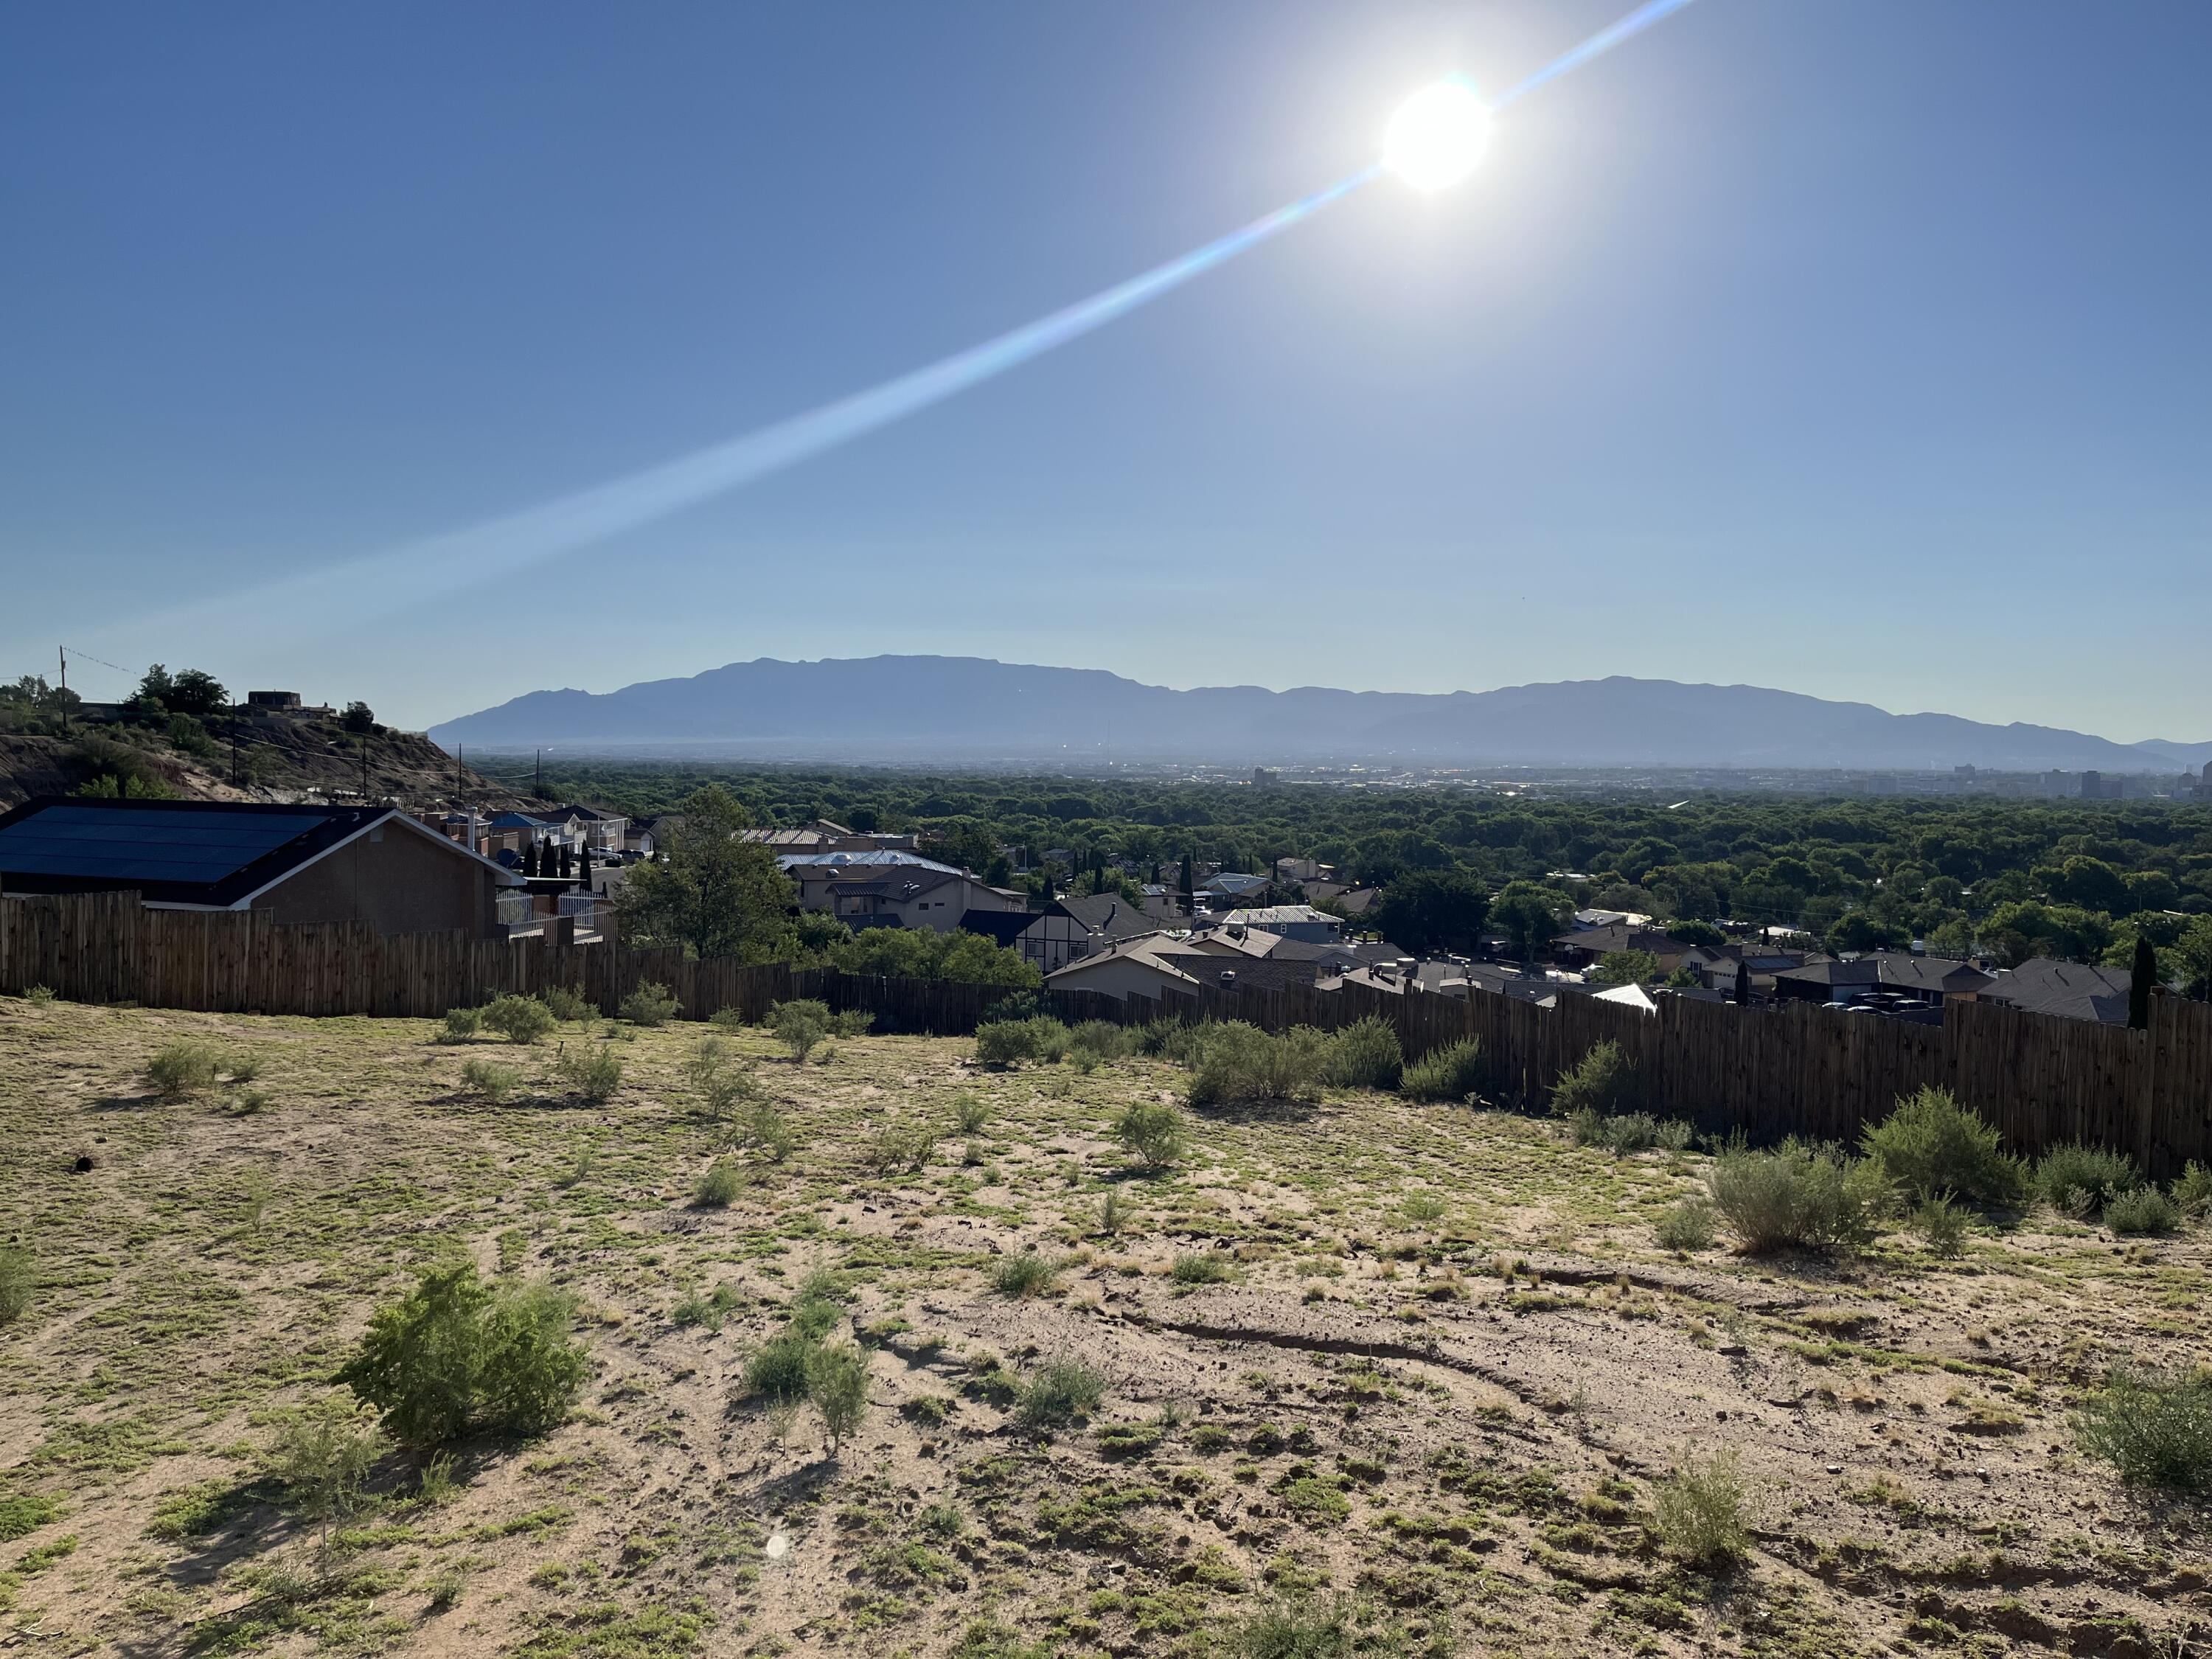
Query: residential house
(823, 837)
(1716, 966)
(374, 864)
(1066, 930)
(1300, 922)
(1231, 884)
(2071, 990)
(1889, 980)
(1582, 947)
(893, 890)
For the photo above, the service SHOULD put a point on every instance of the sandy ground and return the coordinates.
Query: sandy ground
(1425, 1358)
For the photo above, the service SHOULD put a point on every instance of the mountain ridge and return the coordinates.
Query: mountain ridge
(918, 708)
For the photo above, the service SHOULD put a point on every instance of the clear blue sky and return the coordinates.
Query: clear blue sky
(1858, 347)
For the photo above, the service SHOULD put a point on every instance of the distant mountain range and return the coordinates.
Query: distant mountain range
(940, 709)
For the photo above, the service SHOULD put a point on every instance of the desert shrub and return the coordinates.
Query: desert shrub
(970, 1113)
(1941, 1224)
(1423, 1207)
(722, 1185)
(1631, 1132)
(456, 1356)
(489, 1079)
(1931, 1145)
(1103, 1040)
(1004, 1042)
(1239, 1061)
(2155, 1427)
(762, 1128)
(38, 995)
(2080, 1179)
(1698, 1511)
(2145, 1210)
(649, 1005)
(1365, 1054)
(1451, 1072)
(563, 1003)
(901, 1146)
(1601, 1081)
(518, 1019)
(1202, 1268)
(837, 1381)
(1153, 1130)
(1809, 1197)
(728, 1019)
(240, 1067)
(1023, 1274)
(1300, 1627)
(461, 1024)
(320, 1460)
(591, 1071)
(800, 1025)
(851, 1022)
(1689, 1226)
(19, 1274)
(1059, 1391)
(2192, 1193)
(776, 1371)
(705, 1308)
(1111, 1214)
(178, 1069)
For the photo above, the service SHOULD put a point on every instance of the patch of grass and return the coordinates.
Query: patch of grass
(1453, 1072)
(2155, 1427)
(19, 1278)
(1202, 1268)
(1023, 1274)
(25, 1513)
(1059, 1391)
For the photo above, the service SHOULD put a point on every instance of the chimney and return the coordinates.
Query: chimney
(1228, 979)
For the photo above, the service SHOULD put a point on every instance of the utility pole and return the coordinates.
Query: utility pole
(63, 650)
(538, 787)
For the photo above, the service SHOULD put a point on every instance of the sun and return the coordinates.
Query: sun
(1437, 136)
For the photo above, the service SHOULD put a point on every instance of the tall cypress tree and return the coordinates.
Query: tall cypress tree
(565, 863)
(530, 859)
(584, 865)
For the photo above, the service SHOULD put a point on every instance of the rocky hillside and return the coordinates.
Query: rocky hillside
(278, 756)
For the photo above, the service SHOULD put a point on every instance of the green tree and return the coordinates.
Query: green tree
(1530, 914)
(1431, 910)
(711, 892)
(1628, 968)
(358, 717)
(2194, 950)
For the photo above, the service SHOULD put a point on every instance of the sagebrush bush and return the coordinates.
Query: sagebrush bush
(1931, 1145)
(19, 1273)
(2080, 1180)
(2192, 1193)
(1601, 1081)
(2155, 1427)
(1059, 1391)
(801, 1025)
(1104, 1040)
(1689, 1226)
(565, 1002)
(38, 996)
(901, 1146)
(1303, 1628)
(2143, 1211)
(722, 1185)
(1942, 1225)
(456, 1356)
(1005, 1042)
(518, 1019)
(495, 1082)
(1798, 1196)
(776, 1371)
(851, 1022)
(461, 1024)
(1023, 1274)
(649, 1005)
(837, 1382)
(1232, 1060)
(591, 1071)
(178, 1069)
(321, 1459)
(1366, 1054)
(1698, 1511)
(970, 1113)
(1452, 1073)
(1153, 1130)
(1631, 1132)
(728, 1020)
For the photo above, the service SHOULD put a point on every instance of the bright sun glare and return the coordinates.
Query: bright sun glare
(1437, 136)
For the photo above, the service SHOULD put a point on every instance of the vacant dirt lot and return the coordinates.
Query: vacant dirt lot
(1427, 1357)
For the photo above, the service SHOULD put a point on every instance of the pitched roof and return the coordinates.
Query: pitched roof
(209, 854)
(1621, 936)
(2073, 990)
(1108, 914)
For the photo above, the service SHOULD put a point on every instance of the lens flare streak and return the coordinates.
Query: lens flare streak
(1603, 42)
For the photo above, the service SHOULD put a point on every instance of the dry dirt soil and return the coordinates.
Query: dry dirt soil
(1425, 1358)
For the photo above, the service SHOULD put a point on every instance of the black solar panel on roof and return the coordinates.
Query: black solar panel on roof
(149, 844)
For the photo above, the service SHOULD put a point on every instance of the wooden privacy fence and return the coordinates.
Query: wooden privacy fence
(1795, 1069)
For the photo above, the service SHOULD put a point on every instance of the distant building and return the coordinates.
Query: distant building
(2071, 990)
(272, 699)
